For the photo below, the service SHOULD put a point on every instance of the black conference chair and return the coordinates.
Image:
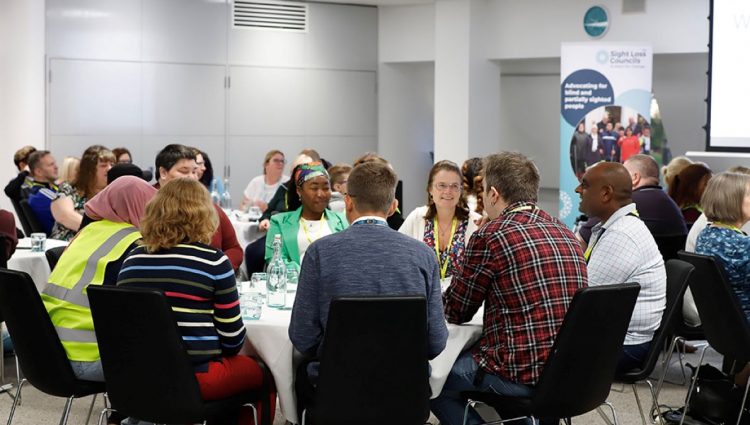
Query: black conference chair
(726, 327)
(34, 224)
(669, 245)
(5, 388)
(158, 384)
(38, 349)
(581, 366)
(53, 255)
(678, 273)
(376, 371)
(4, 244)
(21, 217)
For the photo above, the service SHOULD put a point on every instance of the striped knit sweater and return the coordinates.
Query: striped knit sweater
(199, 283)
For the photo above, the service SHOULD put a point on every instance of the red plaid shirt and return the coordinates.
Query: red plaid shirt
(525, 267)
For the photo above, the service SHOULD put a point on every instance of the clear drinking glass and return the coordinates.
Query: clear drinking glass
(259, 280)
(38, 242)
(292, 278)
(251, 301)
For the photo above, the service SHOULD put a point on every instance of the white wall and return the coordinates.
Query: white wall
(524, 38)
(145, 73)
(406, 33)
(21, 82)
(406, 104)
(535, 28)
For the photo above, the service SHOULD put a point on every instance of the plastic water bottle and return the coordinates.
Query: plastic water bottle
(276, 277)
(215, 198)
(226, 198)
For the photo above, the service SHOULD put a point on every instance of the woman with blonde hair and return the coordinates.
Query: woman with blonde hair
(67, 208)
(261, 189)
(68, 170)
(445, 224)
(199, 283)
(671, 170)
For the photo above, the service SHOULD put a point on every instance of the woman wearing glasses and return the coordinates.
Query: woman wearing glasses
(261, 189)
(445, 224)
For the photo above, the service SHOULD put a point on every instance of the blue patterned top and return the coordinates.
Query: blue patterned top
(732, 250)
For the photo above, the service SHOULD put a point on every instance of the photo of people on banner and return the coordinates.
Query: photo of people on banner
(613, 133)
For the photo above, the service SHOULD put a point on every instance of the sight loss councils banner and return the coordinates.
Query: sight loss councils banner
(605, 89)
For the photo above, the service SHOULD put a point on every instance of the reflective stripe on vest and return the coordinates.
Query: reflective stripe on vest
(64, 296)
(75, 295)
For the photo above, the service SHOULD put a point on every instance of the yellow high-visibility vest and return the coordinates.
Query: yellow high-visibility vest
(81, 265)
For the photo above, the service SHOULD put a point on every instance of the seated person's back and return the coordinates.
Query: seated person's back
(368, 258)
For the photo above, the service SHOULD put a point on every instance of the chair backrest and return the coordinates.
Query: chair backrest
(724, 323)
(146, 368)
(678, 273)
(581, 367)
(669, 245)
(34, 224)
(4, 243)
(53, 255)
(35, 341)
(373, 364)
(21, 217)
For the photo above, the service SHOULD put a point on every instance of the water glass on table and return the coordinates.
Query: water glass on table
(292, 278)
(251, 301)
(38, 242)
(254, 212)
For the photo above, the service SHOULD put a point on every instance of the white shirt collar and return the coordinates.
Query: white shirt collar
(370, 217)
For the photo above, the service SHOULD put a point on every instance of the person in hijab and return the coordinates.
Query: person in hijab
(94, 257)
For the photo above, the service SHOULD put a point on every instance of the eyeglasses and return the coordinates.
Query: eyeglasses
(453, 187)
(278, 161)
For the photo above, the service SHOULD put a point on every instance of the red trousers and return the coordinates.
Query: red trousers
(232, 375)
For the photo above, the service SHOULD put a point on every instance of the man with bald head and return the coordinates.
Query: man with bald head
(621, 249)
(657, 210)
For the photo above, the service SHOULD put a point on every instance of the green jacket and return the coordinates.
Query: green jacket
(287, 225)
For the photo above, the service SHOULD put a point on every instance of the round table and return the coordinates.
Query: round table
(33, 263)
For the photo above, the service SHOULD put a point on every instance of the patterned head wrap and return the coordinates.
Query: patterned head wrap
(309, 171)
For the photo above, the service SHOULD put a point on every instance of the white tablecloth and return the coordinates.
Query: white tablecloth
(33, 263)
(270, 337)
(246, 230)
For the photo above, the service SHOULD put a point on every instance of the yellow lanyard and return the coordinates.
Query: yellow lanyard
(323, 222)
(590, 248)
(729, 226)
(587, 254)
(444, 265)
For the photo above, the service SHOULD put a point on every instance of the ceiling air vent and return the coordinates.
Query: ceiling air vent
(270, 15)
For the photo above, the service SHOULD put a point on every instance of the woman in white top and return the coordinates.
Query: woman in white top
(445, 223)
(261, 189)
